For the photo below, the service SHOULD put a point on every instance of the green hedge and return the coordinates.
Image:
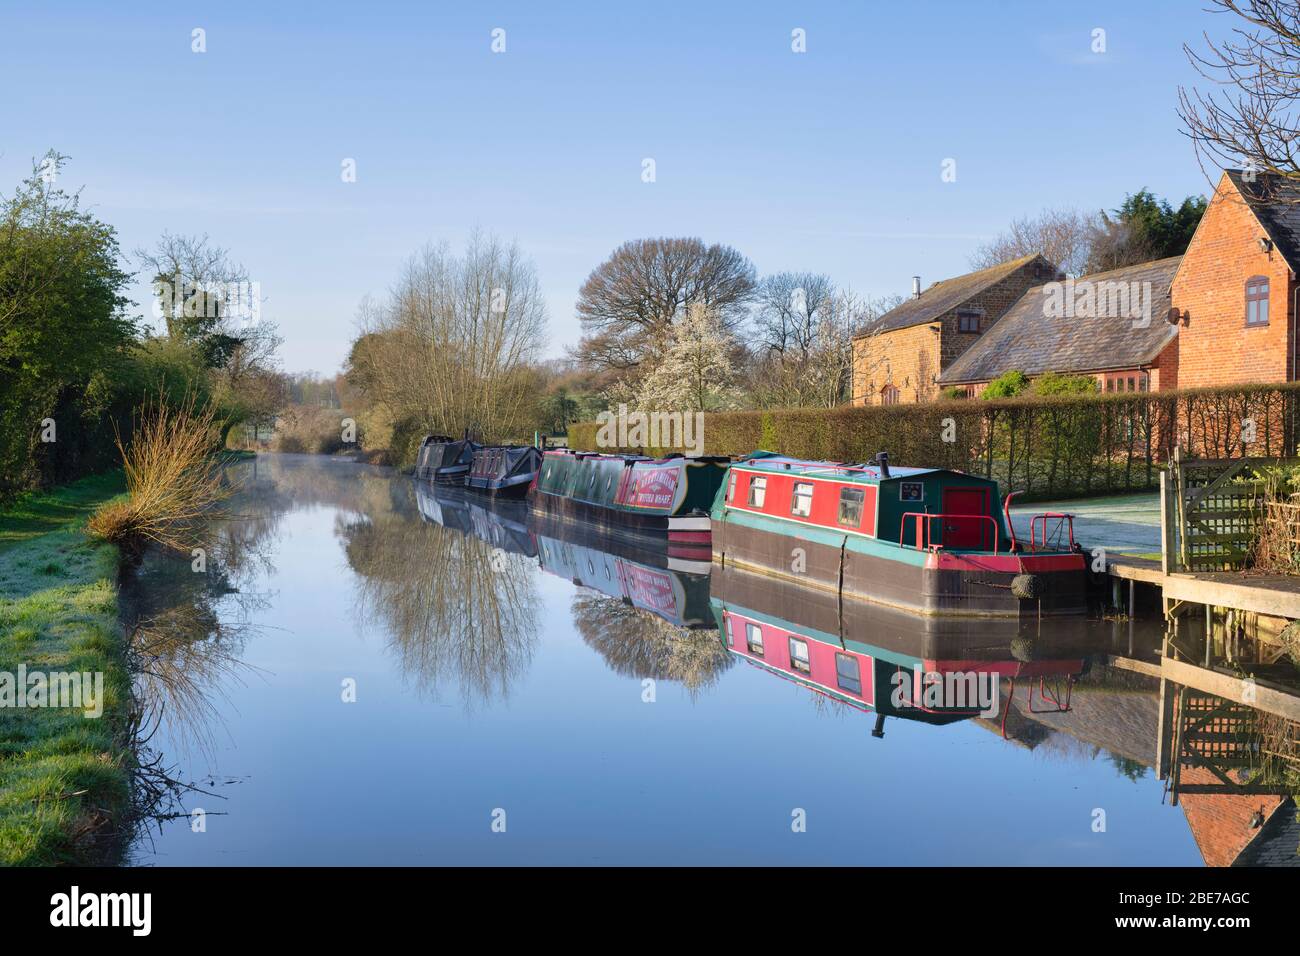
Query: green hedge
(1044, 446)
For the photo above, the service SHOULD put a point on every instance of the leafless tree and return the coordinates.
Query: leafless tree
(821, 376)
(1252, 119)
(791, 305)
(1063, 236)
(192, 267)
(452, 346)
(631, 299)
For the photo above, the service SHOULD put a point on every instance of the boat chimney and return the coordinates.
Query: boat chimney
(916, 287)
(882, 462)
(879, 730)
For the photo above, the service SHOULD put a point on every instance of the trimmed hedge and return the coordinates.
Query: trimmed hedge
(1044, 446)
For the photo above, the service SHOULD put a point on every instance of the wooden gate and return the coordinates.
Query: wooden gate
(1213, 508)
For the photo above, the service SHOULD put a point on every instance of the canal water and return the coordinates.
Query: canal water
(359, 670)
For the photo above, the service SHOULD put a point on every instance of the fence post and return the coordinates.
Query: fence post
(1166, 525)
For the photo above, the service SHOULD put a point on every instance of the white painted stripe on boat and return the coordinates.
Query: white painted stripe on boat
(701, 523)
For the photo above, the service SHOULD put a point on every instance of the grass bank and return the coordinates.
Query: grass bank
(63, 776)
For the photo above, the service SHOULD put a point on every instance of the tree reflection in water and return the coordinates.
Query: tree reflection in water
(454, 608)
(637, 643)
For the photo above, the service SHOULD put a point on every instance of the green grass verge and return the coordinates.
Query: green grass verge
(63, 776)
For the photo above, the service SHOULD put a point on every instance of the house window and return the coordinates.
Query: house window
(799, 656)
(851, 506)
(968, 322)
(801, 499)
(754, 639)
(1257, 300)
(757, 491)
(889, 395)
(847, 673)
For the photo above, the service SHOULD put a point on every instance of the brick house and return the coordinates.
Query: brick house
(901, 356)
(1236, 290)
(1115, 326)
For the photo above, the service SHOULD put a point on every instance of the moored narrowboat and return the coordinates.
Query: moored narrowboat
(503, 470)
(444, 460)
(632, 494)
(924, 540)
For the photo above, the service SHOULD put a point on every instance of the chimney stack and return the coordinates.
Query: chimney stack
(916, 287)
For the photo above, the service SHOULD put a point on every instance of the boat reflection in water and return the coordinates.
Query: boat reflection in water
(641, 574)
(640, 606)
(502, 524)
(877, 659)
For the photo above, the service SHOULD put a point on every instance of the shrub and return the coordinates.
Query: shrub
(1044, 445)
(1008, 385)
(1054, 383)
(172, 477)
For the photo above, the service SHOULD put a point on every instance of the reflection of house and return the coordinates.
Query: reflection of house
(900, 356)
(1238, 814)
(1223, 313)
(1239, 829)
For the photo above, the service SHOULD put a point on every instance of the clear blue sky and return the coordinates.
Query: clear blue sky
(827, 160)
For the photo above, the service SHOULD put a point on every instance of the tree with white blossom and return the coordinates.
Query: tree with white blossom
(696, 370)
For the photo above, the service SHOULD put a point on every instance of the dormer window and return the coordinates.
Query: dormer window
(1257, 300)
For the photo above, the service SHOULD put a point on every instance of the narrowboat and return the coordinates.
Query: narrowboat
(444, 460)
(877, 659)
(632, 494)
(925, 540)
(505, 471)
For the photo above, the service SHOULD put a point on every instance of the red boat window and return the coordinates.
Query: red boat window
(801, 499)
(754, 638)
(799, 656)
(731, 489)
(757, 491)
(851, 500)
(848, 674)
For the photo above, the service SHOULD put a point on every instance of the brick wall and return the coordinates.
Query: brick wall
(911, 358)
(907, 358)
(1215, 347)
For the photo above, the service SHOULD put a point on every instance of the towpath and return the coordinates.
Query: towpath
(1119, 523)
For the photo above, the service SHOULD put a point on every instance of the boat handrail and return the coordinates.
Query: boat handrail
(1067, 520)
(923, 519)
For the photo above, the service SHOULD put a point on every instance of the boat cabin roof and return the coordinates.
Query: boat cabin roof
(840, 471)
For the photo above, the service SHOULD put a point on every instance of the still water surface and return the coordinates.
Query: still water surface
(487, 680)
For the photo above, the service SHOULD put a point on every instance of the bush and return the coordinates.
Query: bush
(1044, 445)
(1053, 383)
(172, 478)
(1007, 385)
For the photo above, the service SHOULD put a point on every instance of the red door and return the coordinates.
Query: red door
(970, 534)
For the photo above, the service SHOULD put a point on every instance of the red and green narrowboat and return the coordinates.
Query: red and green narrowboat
(632, 494)
(925, 540)
(881, 660)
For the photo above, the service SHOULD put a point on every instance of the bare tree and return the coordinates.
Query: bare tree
(821, 376)
(791, 305)
(189, 274)
(453, 346)
(1063, 236)
(632, 298)
(1252, 121)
